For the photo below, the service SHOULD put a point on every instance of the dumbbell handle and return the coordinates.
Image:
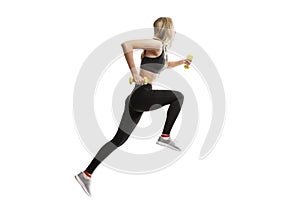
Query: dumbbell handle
(145, 80)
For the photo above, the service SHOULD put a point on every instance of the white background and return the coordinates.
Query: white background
(255, 46)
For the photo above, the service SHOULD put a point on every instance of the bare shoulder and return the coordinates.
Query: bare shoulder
(129, 45)
(150, 43)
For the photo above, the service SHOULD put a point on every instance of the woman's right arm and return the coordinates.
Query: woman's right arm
(128, 47)
(130, 62)
(135, 75)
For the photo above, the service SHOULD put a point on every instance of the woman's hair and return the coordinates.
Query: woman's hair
(164, 29)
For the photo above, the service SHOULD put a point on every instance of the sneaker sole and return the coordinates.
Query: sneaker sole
(82, 185)
(166, 145)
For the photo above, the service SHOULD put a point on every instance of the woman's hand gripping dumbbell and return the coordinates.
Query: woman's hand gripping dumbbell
(138, 80)
(188, 61)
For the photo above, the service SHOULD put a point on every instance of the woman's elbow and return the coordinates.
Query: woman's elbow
(126, 47)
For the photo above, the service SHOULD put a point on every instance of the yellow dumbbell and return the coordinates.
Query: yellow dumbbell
(145, 80)
(189, 57)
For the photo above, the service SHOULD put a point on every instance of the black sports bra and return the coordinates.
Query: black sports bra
(154, 65)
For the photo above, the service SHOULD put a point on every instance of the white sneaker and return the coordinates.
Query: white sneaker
(84, 181)
(168, 143)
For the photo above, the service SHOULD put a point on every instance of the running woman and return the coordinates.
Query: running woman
(143, 97)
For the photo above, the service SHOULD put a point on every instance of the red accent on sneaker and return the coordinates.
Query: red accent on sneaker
(165, 135)
(88, 174)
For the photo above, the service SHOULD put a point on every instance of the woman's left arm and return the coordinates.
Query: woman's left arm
(172, 64)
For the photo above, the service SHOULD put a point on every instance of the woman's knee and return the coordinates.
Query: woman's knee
(179, 95)
(120, 138)
(119, 141)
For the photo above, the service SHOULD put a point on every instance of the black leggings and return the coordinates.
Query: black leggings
(141, 99)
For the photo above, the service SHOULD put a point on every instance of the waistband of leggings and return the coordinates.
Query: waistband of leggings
(144, 85)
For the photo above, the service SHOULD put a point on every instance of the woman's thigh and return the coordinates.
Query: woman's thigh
(153, 99)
